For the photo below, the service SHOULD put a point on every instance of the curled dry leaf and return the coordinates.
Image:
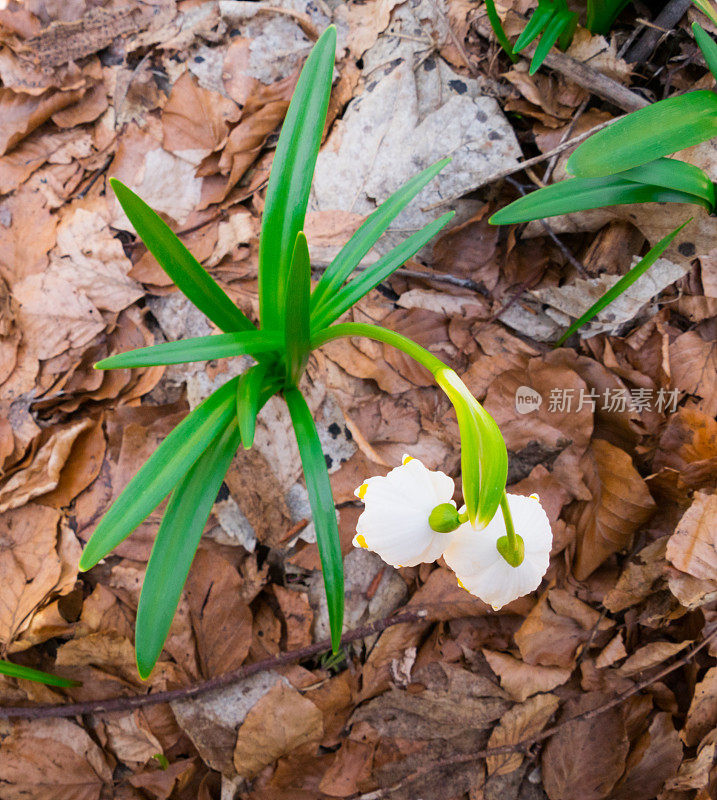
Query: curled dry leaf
(651, 655)
(43, 473)
(621, 504)
(523, 680)
(519, 724)
(693, 362)
(702, 714)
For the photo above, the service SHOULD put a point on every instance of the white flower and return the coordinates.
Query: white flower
(483, 571)
(394, 523)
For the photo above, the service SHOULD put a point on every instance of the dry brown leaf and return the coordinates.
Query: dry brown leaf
(621, 504)
(523, 680)
(693, 363)
(694, 773)
(639, 577)
(281, 722)
(651, 655)
(22, 113)
(29, 566)
(612, 652)
(130, 738)
(90, 258)
(518, 724)
(52, 760)
(27, 233)
(549, 639)
(298, 617)
(654, 759)
(43, 473)
(702, 714)
(195, 121)
(54, 315)
(221, 620)
(692, 548)
(587, 753)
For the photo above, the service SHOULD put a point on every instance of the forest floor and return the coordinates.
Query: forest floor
(603, 683)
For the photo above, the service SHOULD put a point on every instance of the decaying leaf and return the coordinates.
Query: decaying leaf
(523, 680)
(281, 722)
(621, 504)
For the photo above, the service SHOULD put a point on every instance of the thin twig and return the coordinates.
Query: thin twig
(667, 19)
(566, 133)
(109, 704)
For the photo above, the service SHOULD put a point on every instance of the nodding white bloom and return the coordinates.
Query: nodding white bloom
(482, 570)
(394, 523)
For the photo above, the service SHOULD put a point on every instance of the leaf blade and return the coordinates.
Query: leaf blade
(581, 194)
(366, 236)
(647, 134)
(707, 45)
(355, 289)
(176, 543)
(187, 273)
(38, 676)
(161, 473)
(201, 348)
(624, 283)
(297, 325)
(322, 509)
(287, 194)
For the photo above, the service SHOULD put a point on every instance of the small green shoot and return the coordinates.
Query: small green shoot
(707, 9)
(623, 284)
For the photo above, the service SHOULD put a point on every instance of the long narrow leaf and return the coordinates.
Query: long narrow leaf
(580, 194)
(248, 390)
(536, 24)
(29, 674)
(602, 13)
(557, 25)
(202, 348)
(355, 289)
(287, 194)
(366, 236)
(671, 173)
(181, 266)
(322, 510)
(499, 30)
(161, 472)
(649, 133)
(297, 327)
(624, 283)
(707, 45)
(176, 543)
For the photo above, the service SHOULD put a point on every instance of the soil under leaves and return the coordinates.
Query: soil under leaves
(603, 684)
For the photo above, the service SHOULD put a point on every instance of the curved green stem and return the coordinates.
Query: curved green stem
(499, 31)
(408, 346)
(508, 517)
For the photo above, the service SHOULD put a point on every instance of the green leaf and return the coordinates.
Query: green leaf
(484, 456)
(161, 472)
(557, 25)
(248, 391)
(287, 194)
(649, 133)
(540, 18)
(322, 510)
(671, 173)
(181, 266)
(355, 289)
(176, 543)
(624, 283)
(366, 236)
(707, 45)
(602, 13)
(498, 30)
(202, 348)
(29, 674)
(297, 328)
(580, 194)
(707, 9)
